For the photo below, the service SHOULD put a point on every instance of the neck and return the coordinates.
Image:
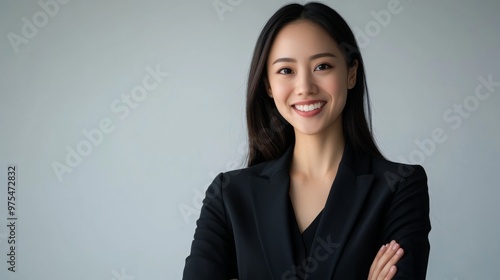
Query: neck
(318, 155)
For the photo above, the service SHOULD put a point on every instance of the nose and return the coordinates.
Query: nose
(305, 84)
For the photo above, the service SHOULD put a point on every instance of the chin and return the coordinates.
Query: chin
(310, 131)
(318, 129)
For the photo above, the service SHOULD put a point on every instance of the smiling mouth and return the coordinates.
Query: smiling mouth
(310, 107)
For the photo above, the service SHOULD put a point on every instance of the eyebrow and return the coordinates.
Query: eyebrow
(313, 57)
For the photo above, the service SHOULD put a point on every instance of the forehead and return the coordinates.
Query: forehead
(302, 38)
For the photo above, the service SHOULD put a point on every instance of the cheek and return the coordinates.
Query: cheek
(337, 89)
(281, 99)
(281, 92)
(336, 85)
(281, 105)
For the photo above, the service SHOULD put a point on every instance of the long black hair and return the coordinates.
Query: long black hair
(269, 134)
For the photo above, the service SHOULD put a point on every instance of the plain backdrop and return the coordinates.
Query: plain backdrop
(118, 114)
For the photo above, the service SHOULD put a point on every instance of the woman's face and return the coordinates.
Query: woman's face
(309, 78)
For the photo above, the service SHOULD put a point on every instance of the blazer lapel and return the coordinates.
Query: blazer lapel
(270, 192)
(270, 206)
(344, 202)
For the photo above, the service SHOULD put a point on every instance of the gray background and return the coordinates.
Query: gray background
(127, 210)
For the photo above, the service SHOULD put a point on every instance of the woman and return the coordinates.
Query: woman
(317, 200)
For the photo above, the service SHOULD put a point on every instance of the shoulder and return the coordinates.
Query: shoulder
(257, 170)
(399, 175)
(243, 177)
(397, 168)
(263, 170)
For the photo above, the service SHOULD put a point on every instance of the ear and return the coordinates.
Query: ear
(351, 76)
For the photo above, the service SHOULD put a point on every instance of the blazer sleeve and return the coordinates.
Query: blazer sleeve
(408, 222)
(212, 254)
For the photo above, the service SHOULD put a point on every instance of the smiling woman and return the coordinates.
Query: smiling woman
(317, 200)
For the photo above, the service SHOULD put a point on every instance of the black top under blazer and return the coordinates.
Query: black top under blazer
(243, 231)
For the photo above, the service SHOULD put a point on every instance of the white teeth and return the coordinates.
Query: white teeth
(308, 108)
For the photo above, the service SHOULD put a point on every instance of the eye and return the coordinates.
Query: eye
(285, 71)
(323, 66)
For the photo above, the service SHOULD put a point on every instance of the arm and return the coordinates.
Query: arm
(407, 222)
(212, 254)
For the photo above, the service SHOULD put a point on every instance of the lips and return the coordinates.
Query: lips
(309, 108)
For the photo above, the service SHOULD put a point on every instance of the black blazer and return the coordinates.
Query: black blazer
(243, 229)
